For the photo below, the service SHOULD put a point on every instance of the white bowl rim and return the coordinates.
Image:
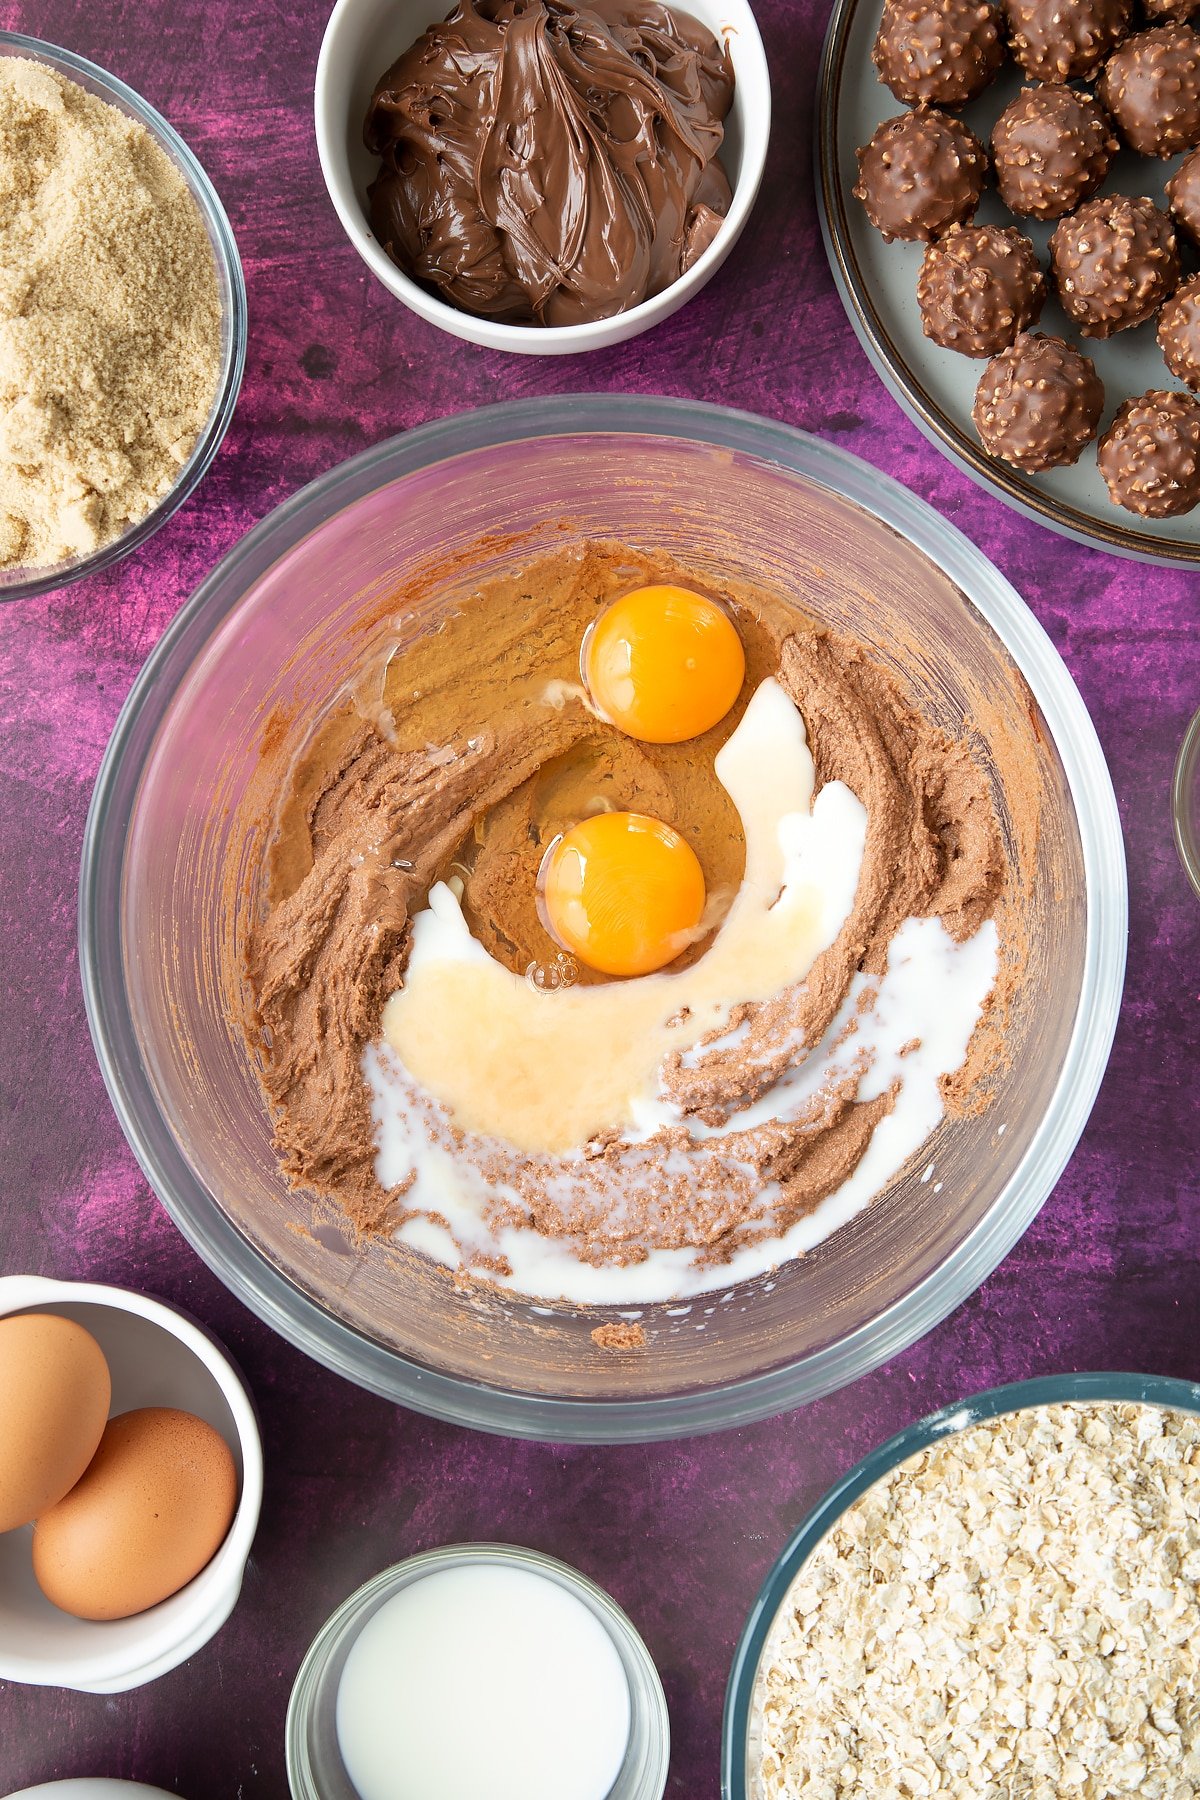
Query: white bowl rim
(177, 1634)
(546, 340)
(89, 1787)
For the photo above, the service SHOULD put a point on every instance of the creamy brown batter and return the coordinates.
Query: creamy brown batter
(469, 753)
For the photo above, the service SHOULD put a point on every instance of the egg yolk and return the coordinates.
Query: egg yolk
(622, 892)
(663, 664)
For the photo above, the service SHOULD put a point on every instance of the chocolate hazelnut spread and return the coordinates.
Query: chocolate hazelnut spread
(550, 163)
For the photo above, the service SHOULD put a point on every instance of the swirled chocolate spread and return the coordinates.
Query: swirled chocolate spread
(550, 163)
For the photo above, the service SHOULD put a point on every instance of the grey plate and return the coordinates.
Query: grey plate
(936, 387)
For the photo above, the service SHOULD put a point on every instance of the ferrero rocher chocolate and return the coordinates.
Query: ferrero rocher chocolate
(1065, 40)
(978, 287)
(1183, 196)
(921, 173)
(1150, 454)
(942, 52)
(1114, 262)
(1038, 403)
(1151, 86)
(1114, 258)
(1179, 333)
(1051, 148)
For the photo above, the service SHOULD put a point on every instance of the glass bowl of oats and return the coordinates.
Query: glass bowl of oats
(122, 319)
(1003, 1599)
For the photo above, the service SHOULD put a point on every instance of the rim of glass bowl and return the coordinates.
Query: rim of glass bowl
(279, 1301)
(1185, 801)
(643, 1775)
(1045, 1390)
(230, 280)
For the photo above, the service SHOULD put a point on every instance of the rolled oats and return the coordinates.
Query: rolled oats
(1012, 1613)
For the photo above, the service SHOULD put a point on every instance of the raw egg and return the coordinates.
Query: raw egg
(622, 892)
(663, 664)
(55, 1390)
(153, 1508)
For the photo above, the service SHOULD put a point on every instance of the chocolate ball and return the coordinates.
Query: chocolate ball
(1183, 195)
(920, 173)
(978, 287)
(1114, 262)
(1151, 86)
(1065, 40)
(1150, 454)
(1051, 148)
(1179, 333)
(943, 52)
(1179, 10)
(1038, 403)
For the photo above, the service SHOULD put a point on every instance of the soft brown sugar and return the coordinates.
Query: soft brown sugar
(110, 319)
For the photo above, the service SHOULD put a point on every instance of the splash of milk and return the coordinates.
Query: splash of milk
(467, 1041)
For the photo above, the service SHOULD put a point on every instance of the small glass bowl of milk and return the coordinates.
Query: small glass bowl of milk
(478, 1669)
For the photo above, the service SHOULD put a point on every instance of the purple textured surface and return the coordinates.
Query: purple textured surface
(682, 1534)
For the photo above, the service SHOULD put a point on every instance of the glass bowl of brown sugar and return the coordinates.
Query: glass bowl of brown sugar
(124, 364)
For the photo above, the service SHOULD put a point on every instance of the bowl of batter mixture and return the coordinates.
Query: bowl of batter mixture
(355, 919)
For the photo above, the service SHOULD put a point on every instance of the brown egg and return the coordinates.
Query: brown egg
(153, 1508)
(54, 1394)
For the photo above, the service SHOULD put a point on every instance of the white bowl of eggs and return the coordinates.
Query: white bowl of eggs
(130, 1485)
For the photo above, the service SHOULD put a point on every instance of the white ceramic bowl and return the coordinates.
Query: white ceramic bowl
(157, 1357)
(364, 37)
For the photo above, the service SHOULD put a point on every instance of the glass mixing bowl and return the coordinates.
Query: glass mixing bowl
(408, 530)
(19, 584)
(1185, 802)
(740, 1748)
